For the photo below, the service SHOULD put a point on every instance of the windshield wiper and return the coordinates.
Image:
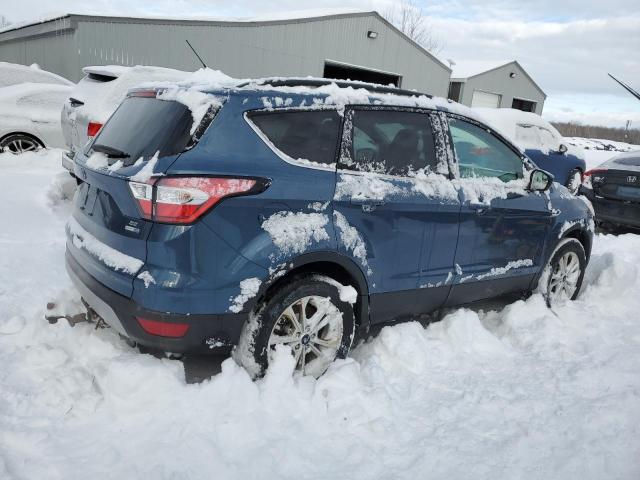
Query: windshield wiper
(111, 152)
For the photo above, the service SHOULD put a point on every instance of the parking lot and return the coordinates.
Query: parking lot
(521, 391)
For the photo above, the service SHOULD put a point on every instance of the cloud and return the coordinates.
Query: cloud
(567, 46)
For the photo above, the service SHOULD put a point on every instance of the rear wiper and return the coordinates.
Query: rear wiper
(111, 152)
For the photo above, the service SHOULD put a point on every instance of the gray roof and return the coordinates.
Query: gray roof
(68, 20)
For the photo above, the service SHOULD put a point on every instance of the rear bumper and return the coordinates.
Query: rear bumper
(67, 162)
(206, 334)
(616, 212)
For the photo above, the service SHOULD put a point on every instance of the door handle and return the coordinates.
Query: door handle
(367, 204)
(367, 201)
(480, 208)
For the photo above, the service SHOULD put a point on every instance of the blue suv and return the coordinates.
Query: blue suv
(300, 212)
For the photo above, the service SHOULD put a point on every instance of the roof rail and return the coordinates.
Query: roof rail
(319, 82)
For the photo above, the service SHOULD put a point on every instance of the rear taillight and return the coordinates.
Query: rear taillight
(163, 329)
(185, 199)
(93, 128)
(591, 176)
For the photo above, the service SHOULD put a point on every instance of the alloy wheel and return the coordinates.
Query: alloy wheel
(312, 327)
(20, 144)
(563, 281)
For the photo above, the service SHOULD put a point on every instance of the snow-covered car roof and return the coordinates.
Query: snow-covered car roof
(102, 97)
(13, 73)
(325, 93)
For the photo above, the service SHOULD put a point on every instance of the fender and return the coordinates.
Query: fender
(322, 260)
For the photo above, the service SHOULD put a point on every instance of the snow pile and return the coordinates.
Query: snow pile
(597, 151)
(248, 289)
(484, 189)
(432, 185)
(523, 262)
(199, 103)
(346, 292)
(518, 392)
(106, 254)
(293, 232)
(97, 161)
(146, 172)
(368, 187)
(61, 189)
(147, 278)
(601, 144)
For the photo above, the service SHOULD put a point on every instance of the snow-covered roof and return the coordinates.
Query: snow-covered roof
(471, 68)
(272, 17)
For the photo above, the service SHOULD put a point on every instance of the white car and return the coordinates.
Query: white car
(30, 103)
(30, 116)
(96, 97)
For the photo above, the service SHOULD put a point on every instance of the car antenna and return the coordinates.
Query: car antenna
(196, 54)
(626, 87)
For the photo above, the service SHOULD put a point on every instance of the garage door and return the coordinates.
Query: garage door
(485, 99)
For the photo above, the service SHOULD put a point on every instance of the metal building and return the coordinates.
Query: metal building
(506, 85)
(358, 46)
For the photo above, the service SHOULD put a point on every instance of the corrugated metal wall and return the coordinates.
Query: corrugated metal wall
(296, 47)
(50, 45)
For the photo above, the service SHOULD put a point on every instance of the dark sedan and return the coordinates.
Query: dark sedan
(614, 191)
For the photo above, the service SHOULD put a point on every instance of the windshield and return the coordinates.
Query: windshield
(142, 126)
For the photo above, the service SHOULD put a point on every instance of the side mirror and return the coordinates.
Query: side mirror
(562, 148)
(540, 181)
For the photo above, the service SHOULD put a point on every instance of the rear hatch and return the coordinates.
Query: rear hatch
(107, 234)
(77, 110)
(621, 181)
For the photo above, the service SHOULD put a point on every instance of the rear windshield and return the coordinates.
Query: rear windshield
(142, 126)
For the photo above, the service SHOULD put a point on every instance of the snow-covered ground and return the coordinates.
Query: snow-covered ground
(521, 392)
(597, 151)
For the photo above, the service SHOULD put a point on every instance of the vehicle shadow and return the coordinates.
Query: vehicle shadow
(198, 368)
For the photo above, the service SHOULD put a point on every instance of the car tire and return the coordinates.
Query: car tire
(574, 180)
(19, 143)
(315, 342)
(562, 277)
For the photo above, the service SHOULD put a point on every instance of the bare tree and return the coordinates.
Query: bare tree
(575, 129)
(4, 22)
(411, 20)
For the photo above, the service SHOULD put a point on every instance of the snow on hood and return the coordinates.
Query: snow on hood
(13, 73)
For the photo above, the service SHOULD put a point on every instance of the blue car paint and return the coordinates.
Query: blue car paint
(416, 247)
(560, 165)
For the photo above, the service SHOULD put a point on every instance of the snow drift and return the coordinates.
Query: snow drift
(516, 392)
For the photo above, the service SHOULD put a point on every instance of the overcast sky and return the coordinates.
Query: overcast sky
(567, 46)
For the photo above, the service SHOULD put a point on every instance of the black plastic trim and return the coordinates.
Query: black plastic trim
(223, 328)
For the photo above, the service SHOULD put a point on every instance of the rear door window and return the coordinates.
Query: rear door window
(392, 142)
(303, 135)
(142, 126)
(481, 154)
